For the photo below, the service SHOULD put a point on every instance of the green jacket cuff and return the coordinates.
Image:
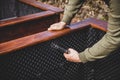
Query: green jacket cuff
(82, 57)
(66, 19)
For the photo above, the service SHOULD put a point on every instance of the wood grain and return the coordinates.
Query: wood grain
(29, 24)
(23, 42)
(26, 28)
(26, 18)
(42, 6)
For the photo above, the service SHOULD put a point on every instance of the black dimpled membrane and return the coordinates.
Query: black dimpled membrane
(43, 62)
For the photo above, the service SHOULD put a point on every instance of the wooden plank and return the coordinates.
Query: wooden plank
(99, 24)
(7, 9)
(26, 28)
(42, 6)
(26, 18)
(20, 43)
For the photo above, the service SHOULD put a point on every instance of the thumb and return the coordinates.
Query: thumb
(49, 29)
(66, 55)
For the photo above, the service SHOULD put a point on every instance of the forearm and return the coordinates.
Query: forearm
(71, 9)
(110, 41)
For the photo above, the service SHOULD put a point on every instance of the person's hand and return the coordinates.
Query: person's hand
(72, 55)
(57, 26)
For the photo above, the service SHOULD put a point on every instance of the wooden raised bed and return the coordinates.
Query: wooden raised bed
(25, 17)
(43, 36)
